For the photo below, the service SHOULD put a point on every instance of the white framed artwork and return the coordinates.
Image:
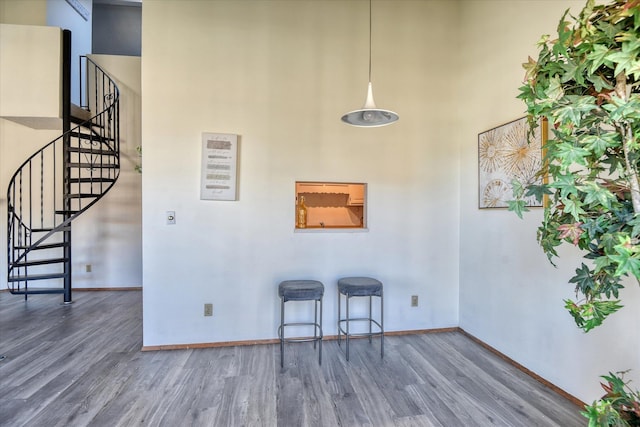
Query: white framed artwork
(218, 177)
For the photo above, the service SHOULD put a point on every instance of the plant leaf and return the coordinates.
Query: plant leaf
(626, 58)
(598, 57)
(574, 207)
(517, 206)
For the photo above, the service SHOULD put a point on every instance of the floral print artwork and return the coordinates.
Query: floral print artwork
(504, 154)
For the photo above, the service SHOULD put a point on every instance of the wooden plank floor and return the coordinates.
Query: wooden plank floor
(81, 365)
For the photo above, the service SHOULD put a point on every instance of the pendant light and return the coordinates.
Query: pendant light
(370, 115)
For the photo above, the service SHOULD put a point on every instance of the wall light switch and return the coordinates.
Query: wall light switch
(171, 217)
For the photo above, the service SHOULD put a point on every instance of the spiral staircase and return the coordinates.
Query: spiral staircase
(60, 181)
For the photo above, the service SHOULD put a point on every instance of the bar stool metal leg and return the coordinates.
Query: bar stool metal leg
(319, 345)
(301, 290)
(381, 325)
(315, 322)
(360, 287)
(370, 319)
(339, 331)
(347, 322)
(281, 332)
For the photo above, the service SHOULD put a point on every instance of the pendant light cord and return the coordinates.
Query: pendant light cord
(370, 115)
(370, 40)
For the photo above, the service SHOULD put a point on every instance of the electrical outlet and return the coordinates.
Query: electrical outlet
(208, 309)
(414, 300)
(88, 268)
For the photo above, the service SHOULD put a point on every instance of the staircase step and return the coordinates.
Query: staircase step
(82, 196)
(47, 246)
(93, 180)
(93, 166)
(94, 151)
(46, 230)
(63, 212)
(36, 291)
(30, 277)
(40, 262)
(91, 137)
(80, 115)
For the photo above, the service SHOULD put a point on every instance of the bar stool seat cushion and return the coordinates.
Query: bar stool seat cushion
(359, 286)
(300, 290)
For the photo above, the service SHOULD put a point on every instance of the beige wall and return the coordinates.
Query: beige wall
(30, 77)
(26, 96)
(24, 12)
(109, 236)
(510, 296)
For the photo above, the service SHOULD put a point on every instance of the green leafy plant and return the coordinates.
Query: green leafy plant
(586, 85)
(620, 406)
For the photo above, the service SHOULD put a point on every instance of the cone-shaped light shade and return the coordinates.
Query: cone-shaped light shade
(370, 115)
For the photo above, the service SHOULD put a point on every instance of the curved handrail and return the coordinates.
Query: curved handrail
(39, 195)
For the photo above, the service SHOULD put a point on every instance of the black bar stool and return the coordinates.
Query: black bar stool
(360, 287)
(301, 290)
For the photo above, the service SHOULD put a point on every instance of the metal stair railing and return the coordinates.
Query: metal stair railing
(61, 181)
